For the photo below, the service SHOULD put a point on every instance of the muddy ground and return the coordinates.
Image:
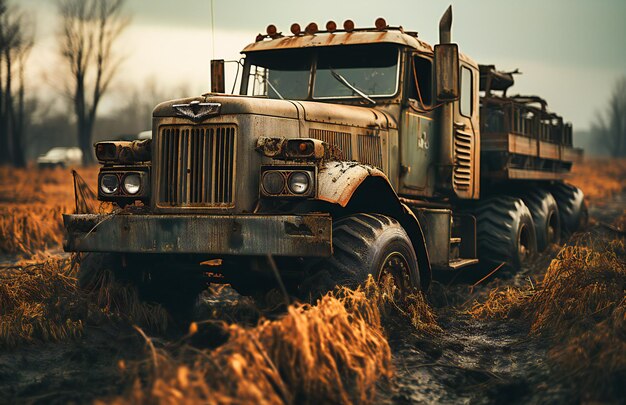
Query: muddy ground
(472, 361)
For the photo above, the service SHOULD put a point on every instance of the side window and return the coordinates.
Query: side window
(421, 80)
(467, 92)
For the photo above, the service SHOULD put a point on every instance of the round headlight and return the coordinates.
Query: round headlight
(299, 183)
(273, 182)
(132, 183)
(109, 183)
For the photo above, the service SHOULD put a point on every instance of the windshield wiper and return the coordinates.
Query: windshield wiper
(346, 83)
(274, 88)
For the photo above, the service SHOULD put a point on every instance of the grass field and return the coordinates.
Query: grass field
(343, 349)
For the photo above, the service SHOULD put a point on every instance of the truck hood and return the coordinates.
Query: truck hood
(311, 111)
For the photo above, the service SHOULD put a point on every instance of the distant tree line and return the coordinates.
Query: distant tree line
(88, 33)
(610, 125)
(89, 30)
(16, 41)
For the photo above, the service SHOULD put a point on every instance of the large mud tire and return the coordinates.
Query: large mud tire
(176, 293)
(364, 244)
(505, 231)
(572, 208)
(545, 212)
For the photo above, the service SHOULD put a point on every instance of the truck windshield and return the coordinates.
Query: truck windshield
(372, 69)
(286, 74)
(280, 74)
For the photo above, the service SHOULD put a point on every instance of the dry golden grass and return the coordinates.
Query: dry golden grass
(581, 307)
(331, 352)
(620, 223)
(600, 179)
(40, 301)
(412, 307)
(502, 303)
(31, 204)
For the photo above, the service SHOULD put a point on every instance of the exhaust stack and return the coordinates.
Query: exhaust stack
(445, 27)
(446, 150)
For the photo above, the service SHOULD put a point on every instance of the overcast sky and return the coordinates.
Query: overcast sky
(570, 51)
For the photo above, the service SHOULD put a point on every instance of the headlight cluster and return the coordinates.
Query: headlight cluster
(114, 185)
(287, 182)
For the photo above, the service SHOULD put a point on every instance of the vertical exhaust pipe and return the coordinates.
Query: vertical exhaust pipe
(445, 27)
(446, 157)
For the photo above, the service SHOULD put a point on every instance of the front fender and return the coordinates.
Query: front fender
(338, 181)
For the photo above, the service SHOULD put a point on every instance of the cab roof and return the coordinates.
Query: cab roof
(356, 37)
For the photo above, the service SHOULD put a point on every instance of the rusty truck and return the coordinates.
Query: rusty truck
(347, 152)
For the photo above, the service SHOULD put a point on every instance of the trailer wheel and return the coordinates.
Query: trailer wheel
(364, 244)
(176, 293)
(572, 208)
(543, 208)
(505, 231)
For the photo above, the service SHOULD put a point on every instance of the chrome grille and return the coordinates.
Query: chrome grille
(463, 168)
(370, 150)
(196, 166)
(342, 140)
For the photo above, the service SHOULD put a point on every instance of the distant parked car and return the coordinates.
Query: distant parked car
(61, 157)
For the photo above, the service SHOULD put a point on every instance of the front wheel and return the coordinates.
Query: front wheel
(363, 245)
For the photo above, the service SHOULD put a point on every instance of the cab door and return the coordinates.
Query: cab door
(417, 143)
(466, 175)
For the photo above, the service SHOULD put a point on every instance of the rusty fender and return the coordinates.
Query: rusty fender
(337, 181)
(280, 235)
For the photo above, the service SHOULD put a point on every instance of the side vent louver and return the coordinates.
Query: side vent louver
(463, 155)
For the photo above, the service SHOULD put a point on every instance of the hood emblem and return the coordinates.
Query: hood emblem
(198, 111)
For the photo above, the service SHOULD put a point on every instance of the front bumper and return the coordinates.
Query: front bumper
(252, 235)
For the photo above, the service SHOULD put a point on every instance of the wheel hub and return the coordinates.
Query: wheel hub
(396, 266)
(524, 244)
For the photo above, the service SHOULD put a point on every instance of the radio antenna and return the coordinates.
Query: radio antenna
(212, 31)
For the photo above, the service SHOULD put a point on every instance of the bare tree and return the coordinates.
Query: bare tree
(16, 40)
(90, 28)
(610, 126)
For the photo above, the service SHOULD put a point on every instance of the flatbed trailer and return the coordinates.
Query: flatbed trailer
(520, 138)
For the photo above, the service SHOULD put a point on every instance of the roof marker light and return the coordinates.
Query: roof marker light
(311, 28)
(348, 25)
(295, 29)
(331, 26)
(271, 30)
(380, 24)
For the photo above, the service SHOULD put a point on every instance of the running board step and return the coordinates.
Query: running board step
(460, 263)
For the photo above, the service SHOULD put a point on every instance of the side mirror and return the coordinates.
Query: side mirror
(447, 72)
(218, 84)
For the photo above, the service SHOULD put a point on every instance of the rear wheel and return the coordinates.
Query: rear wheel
(505, 231)
(363, 245)
(545, 213)
(572, 208)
